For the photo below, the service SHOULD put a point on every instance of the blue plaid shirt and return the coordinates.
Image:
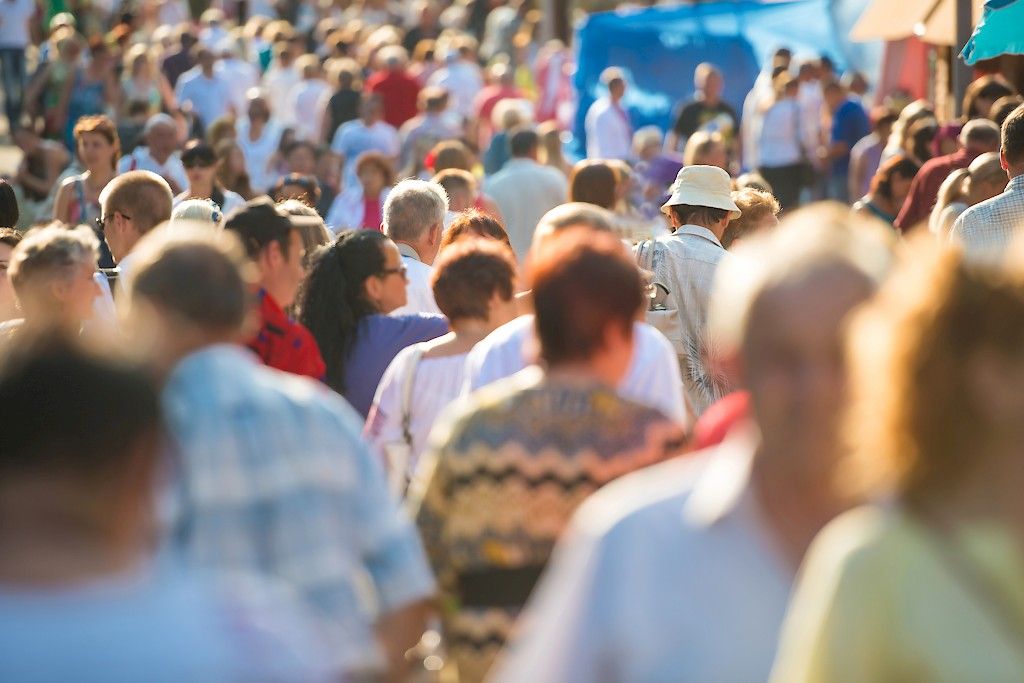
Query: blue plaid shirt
(275, 479)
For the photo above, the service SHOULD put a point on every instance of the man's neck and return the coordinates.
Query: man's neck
(410, 250)
(159, 157)
(794, 508)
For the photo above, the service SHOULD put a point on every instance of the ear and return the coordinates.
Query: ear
(1003, 163)
(271, 258)
(374, 288)
(60, 289)
(434, 235)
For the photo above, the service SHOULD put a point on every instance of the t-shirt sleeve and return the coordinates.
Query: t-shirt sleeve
(421, 328)
(686, 121)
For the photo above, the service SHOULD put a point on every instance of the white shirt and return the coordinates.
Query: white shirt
(348, 208)
(419, 293)
(14, 22)
(279, 81)
(354, 138)
(609, 134)
(240, 77)
(987, 229)
(141, 160)
(463, 82)
(437, 382)
(652, 379)
(258, 153)
(524, 191)
(779, 142)
(209, 96)
(667, 575)
(306, 105)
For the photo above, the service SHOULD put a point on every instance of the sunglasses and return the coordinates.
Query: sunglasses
(198, 163)
(400, 270)
(101, 222)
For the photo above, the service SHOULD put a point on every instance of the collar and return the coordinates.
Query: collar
(698, 231)
(271, 310)
(211, 361)
(1016, 184)
(723, 486)
(406, 250)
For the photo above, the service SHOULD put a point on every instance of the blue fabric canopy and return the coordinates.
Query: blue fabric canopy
(1000, 32)
(659, 48)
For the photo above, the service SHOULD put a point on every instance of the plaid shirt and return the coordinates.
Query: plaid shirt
(986, 229)
(274, 479)
(693, 256)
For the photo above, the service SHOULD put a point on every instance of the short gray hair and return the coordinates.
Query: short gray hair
(50, 252)
(412, 208)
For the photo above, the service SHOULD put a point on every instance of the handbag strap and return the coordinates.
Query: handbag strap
(407, 385)
(975, 580)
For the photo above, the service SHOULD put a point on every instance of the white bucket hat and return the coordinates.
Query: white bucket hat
(703, 186)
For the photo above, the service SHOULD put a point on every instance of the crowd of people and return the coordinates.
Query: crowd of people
(322, 357)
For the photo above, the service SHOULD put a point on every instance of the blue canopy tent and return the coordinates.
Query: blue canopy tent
(999, 32)
(659, 48)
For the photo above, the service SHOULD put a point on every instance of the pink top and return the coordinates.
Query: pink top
(372, 215)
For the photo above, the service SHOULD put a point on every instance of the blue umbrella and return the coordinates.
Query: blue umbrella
(998, 33)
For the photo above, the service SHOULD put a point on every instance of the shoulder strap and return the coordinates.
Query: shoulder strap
(407, 385)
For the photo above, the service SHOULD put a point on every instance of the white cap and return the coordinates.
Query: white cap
(703, 186)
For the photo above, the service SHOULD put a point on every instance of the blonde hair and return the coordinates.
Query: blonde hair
(700, 145)
(913, 426)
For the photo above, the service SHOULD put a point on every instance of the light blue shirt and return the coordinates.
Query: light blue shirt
(666, 575)
(276, 480)
(160, 626)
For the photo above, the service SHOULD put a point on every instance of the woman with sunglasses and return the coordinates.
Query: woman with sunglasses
(352, 285)
(201, 165)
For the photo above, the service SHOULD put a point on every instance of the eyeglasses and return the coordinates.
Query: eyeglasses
(198, 163)
(400, 270)
(101, 222)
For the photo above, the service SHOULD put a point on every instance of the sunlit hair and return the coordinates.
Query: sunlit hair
(100, 125)
(915, 426)
(699, 147)
(755, 206)
(593, 181)
(474, 223)
(467, 276)
(46, 255)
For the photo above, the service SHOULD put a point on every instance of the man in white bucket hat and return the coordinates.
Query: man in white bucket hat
(699, 209)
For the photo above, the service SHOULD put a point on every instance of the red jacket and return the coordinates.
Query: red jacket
(924, 190)
(399, 92)
(284, 344)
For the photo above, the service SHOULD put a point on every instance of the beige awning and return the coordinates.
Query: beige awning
(933, 21)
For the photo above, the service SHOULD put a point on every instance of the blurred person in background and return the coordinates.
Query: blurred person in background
(524, 190)
(314, 232)
(977, 137)
(398, 91)
(1003, 107)
(329, 531)
(696, 557)
(182, 58)
(143, 82)
(91, 90)
(433, 123)
(274, 243)
(305, 104)
(474, 223)
(201, 167)
(705, 112)
(203, 89)
(369, 133)
(501, 86)
(343, 105)
(240, 75)
(42, 164)
(986, 229)
(258, 134)
(352, 286)
(889, 189)
(78, 199)
(982, 180)
(298, 186)
(204, 212)
(552, 149)
(361, 206)
(460, 76)
(849, 124)
(78, 499)
(232, 174)
(866, 155)
(473, 283)
(909, 115)
(413, 217)
(9, 239)
(935, 431)
(15, 37)
(593, 181)
(982, 93)
(160, 154)
(782, 159)
(564, 426)
(706, 149)
(508, 117)
(759, 210)
(10, 214)
(608, 126)
(52, 272)
(921, 140)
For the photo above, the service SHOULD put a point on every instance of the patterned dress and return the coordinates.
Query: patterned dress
(500, 481)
